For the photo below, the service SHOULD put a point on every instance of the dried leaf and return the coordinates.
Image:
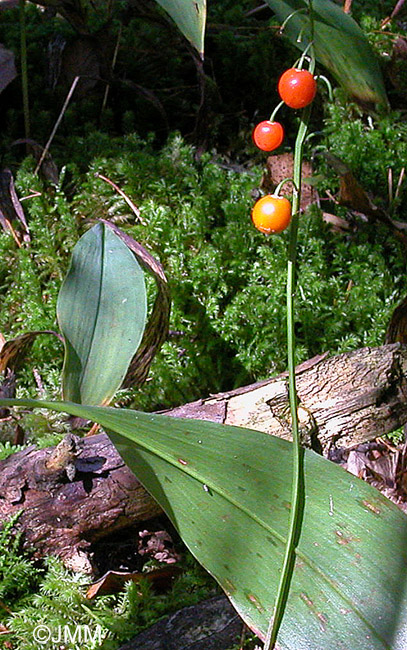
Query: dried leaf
(13, 351)
(380, 465)
(352, 195)
(280, 167)
(356, 464)
(384, 466)
(48, 168)
(355, 197)
(114, 581)
(10, 206)
(8, 70)
(337, 224)
(397, 327)
(81, 58)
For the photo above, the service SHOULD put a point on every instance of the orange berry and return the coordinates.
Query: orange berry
(271, 214)
(297, 88)
(268, 136)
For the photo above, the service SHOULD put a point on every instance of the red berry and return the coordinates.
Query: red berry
(267, 135)
(297, 88)
(271, 214)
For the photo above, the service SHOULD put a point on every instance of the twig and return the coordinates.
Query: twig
(38, 381)
(399, 183)
(57, 123)
(394, 13)
(114, 59)
(13, 232)
(30, 196)
(390, 184)
(130, 203)
(257, 9)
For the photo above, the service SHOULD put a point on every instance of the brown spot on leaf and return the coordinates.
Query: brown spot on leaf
(323, 620)
(307, 600)
(228, 586)
(310, 603)
(345, 611)
(343, 539)
(256, 602)
(371, 507)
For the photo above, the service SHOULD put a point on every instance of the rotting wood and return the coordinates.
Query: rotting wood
(344, 400)
(68, 504)
(63, 517)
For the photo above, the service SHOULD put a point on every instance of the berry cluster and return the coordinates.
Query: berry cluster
(297, 89)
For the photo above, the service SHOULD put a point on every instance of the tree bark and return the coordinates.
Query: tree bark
(343, 400)
(78, 492)
(63, 517)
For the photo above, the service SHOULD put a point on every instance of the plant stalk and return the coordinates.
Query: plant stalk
(297, 495)
(297, 491)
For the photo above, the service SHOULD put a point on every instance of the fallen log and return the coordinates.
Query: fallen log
(343, 400)
(72, 495)
(63, 514)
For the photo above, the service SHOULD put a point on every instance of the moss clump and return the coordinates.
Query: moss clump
(49, 595)
(227, 280)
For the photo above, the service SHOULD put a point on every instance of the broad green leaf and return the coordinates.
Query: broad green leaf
(339, 43)
(101, 312)
(228, 489)
(190, 18)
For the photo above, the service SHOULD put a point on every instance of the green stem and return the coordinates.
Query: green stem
(274, 113)
(280, 185)
(297, 491)
(297, 496)
(24, 72)
(294, 13)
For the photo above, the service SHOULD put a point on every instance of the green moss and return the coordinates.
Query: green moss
(368, 146)
(18, 575)
(54, 597)
(227, 280)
